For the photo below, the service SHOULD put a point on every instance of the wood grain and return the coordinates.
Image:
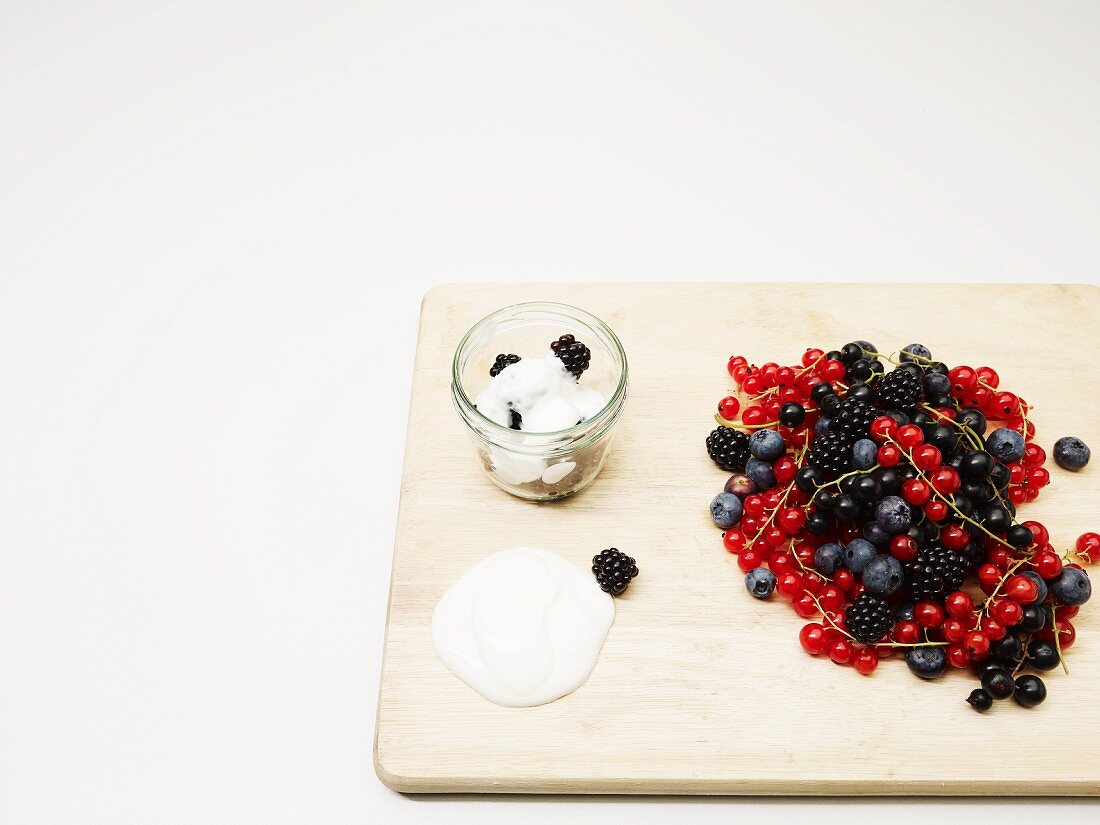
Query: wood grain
(699, 688)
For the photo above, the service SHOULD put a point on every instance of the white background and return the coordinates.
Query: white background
(216, 223)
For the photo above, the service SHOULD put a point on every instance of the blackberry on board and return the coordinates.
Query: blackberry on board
(853, 419)
(869, 618)
(899, 390)
(935, 572)
(613, 570)
(575, 355)
(832, 453)
(729, 449)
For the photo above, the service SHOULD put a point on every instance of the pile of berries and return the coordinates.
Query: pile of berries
(882, 502)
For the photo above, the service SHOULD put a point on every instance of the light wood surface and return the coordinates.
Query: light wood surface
(699, 688)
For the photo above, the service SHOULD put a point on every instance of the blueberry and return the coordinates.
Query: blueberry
(822, 426)
(740, 485)
(926, 662)
(725, 509)
(760, 582)
(767, 445)
(761, 473)
(883, 575)
(864, 452)
(873, 532)
(1071, 453)
(828, 558)
(1040, 582)
(1072, 586)
(1005, 444)
(857, 554)
(894, 515)
(936, 384)
(915, 352)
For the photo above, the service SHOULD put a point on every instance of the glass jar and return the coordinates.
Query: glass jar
(548, 465)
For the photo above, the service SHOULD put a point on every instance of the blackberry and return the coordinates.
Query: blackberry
(575, 355)
(613, 570)
(500, 363)
(935, 572)
(869, 618)
(853, 419)
(899, 390)
(832, 453)
(729, 448)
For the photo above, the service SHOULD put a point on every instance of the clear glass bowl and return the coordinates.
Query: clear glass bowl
(539, 466)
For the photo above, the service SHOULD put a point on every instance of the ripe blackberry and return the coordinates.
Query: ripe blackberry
(832, 453)
(899, 390)
(500, 363)
(729, 448)
(935, 572)
(575, 355)
(869, 618)
(853, 419)
(613, 570)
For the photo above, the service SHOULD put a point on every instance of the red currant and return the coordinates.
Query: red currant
(728, 407)
(888, 455)
(792, 519)
(936, 510)
(733, 540)
(978, 644)
(958, 655)
(804, 605)
(811, 356)
(928, 614)
(833, 370)
(903, 547)
(963, 381)
(907, 633)
(959, 605)
(841, 651)
(753, 505)
(1088, 546)
(865, 661)
(749, 559)
(954, 630)
(909, 436)
(946, 480)
(989, 377)
(753, 416)
(882, 427)
(1008, 612)
(831, 598)
(926, 457)
(785, 469)
(1021, 589)
(992, 628)
(954, 537)
(789, 585)
(812, 638)
(735, 362)
(1034, 455)
(1047, 564)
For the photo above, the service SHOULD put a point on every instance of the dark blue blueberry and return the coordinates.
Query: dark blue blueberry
(760, 582)
(894, 515)
(725, 509)
(936, 384)
(1040, 582)
(767, 445)
(922, 353)
(864, 452)
(873, 532)
(822, 426)
(761, 473)
(828, 558)
(883, 575)
(1005, 444)
(1072, 586)
(927, 662)
(857, 554)
(1071, 453)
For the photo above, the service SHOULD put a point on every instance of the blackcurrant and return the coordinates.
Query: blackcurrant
(792, 414)
(1030, 691)
(979, 700)
(1042, 655)
(1019, 536)
(809, 478)
(973, 419)
(1034, 620)
(997, 682)
(820, 390)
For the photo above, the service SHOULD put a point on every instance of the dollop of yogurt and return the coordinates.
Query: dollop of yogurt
(523, 627)
(544, 393)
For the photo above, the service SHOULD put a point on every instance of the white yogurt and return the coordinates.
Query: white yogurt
(545, 394)
(523, 627)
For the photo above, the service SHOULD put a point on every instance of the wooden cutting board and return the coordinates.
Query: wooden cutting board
(699, 688)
